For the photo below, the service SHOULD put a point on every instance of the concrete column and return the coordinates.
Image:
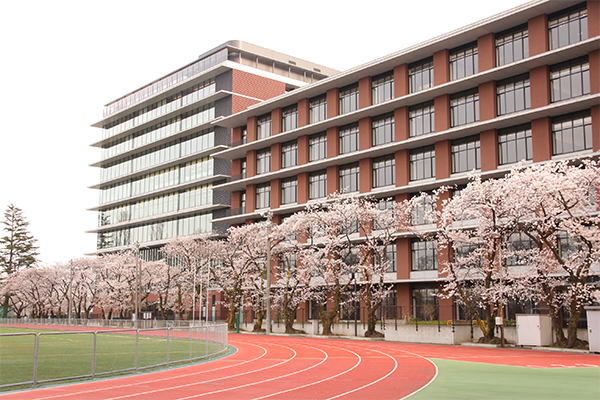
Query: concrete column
(303, 150)
(275, 194)
(441, 106)
(402, 167)
(403, 254)
(303, 187)
(275, 121)
(303, 113)
(401, 124)
(538, 35)
(250, 198)
(486, 52)
(443, 159)
(539, 82)
(333, 143)
(441, 67)
(487, 101)
(333, 103)
(275, 156)
(595, 110)
(401, 80)
(365, 176)
(365, 140)
(365, 96)
(333, 179)
(489, 150)
(251, 163)
(251, 126)
(541, 139)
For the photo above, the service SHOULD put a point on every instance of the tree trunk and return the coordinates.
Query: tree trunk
(260, 315)
(327, 318)
(372, 323)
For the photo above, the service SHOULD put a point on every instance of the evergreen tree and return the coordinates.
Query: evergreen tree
(17, 246)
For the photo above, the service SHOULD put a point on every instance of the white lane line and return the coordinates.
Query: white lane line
(210, 380)
(373, 382)
(106, 388)
(317, 382)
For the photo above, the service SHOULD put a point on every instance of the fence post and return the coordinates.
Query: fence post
(94, 355)
(168, 330)
(190, 335)
(137, 342)
(35, 357)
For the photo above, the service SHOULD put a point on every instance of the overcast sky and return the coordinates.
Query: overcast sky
(62, 61)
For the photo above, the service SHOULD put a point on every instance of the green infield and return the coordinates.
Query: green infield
(64, 355)
(468, 380)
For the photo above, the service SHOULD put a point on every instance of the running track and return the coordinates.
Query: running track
(278, 367)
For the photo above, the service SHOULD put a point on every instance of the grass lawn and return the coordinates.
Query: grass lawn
(467, 380)
(71, 354)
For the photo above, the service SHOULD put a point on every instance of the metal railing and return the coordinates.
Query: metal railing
(99, 348)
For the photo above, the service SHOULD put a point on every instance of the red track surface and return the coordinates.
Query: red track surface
(304, 368)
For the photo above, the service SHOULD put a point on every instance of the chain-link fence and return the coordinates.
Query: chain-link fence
(93, 349)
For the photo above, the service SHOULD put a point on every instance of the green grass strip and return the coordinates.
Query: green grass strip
(468, 380)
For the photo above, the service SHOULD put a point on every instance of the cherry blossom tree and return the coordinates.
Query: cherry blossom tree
(556, 206)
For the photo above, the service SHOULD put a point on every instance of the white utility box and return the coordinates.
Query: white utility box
(534, 330)
(593, 322)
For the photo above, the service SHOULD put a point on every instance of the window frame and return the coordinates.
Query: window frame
(348, 99)
(289, 118)
(348, 136)
(423, 250)
(349, 172)
(263, 126)
(382, 87)
(417, 117)
(263, 195)
(567, 122)
(456, 160)
(515, 140)
(572, 17)
(263, 161)
(289, 154)
(462, 104)
(318, 178)
(317, 146)
(463, 61)
(382, 129)
(289, 190)
(384, 171)
(422, 163)
(317, 109)
(508, 41)
(508, 93)
(416, 73)
(568, 74)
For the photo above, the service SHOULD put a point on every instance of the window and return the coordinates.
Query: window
(466, 154)
(571, 133)
(289, 190)
(464, 107)
(423, 255)
(513, 94)
(518, 245)
(421, 119)
(244, 134)
(383, 87)
(263, 196)
(348, 99)
(420, 75)
(389, 257)
(425, 302)
(463, 61)
(317, 147)
(263, 161)
(289, 154)
(514, 144)
(317, 109)
(289, 118)
(348, 138)
(263, 127)
(317, 185)
(383, 129)
(512, 45)
(387, 206)
(243, 166)
(570, 79)
(423, 212)
(568, 26)
(422, 163)
(349, 178)
(384, 171)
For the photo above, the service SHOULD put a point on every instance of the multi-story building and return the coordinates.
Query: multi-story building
(157, 165)
(523, 85)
